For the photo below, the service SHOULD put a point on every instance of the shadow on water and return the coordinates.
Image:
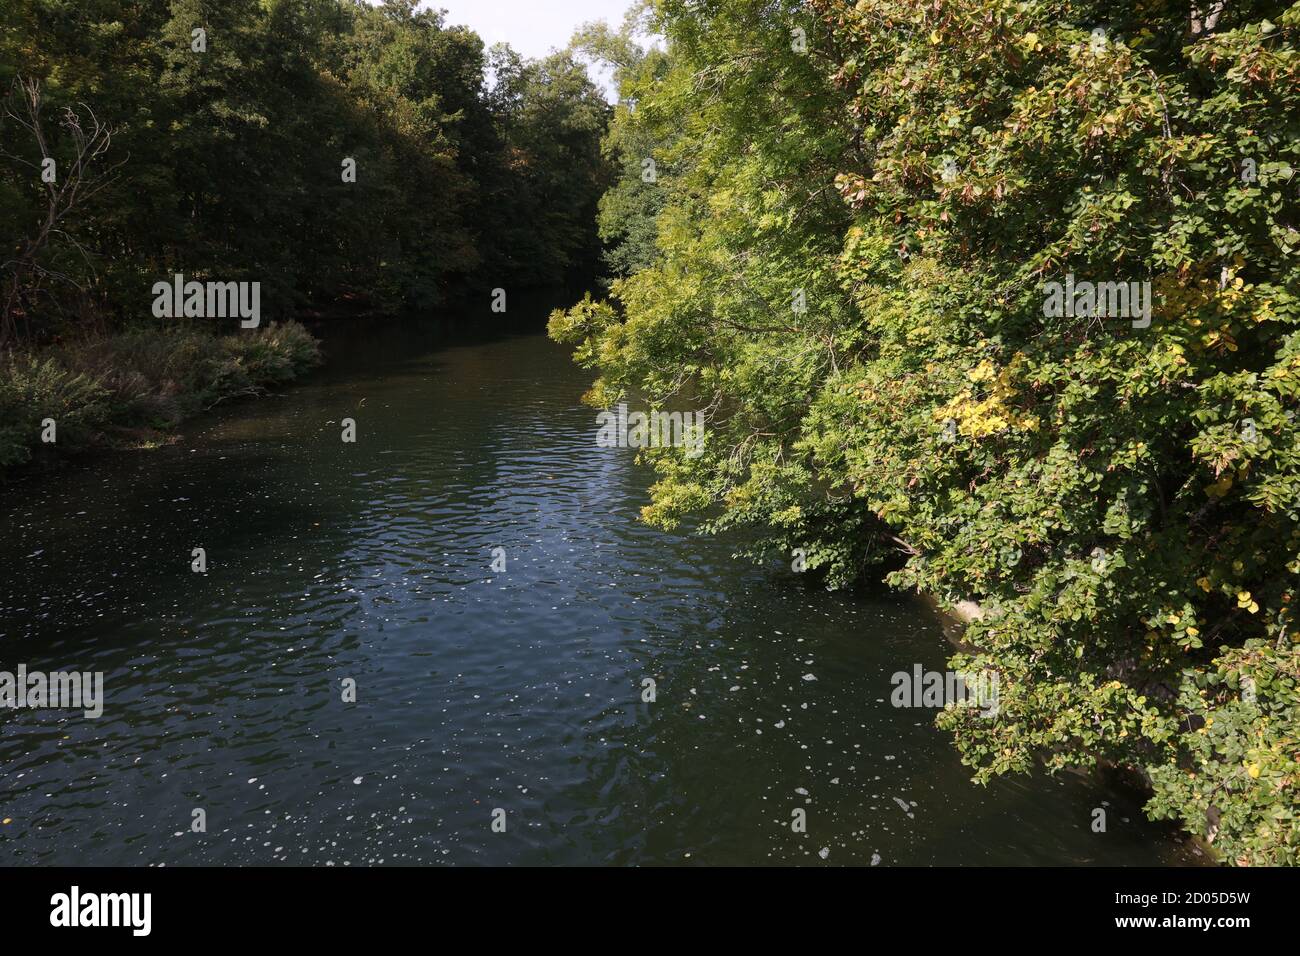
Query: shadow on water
(476, 689)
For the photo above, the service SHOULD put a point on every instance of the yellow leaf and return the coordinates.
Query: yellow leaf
(1220, 487)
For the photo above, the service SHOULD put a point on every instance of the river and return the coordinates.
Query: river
(476, 690)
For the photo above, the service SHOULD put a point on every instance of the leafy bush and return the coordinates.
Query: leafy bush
(281, 352)
(34, 389)
(142, 378)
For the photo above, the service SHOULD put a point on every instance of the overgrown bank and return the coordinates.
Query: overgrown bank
(846, 250)
(129, 389)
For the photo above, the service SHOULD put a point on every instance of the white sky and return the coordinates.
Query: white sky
(532, 27)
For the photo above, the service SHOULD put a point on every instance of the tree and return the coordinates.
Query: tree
(40, 259)
(1119, 490)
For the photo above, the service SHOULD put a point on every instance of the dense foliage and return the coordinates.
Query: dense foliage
(212, 140)
(1122, 498)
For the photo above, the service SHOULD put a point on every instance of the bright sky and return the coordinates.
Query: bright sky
(532, 27)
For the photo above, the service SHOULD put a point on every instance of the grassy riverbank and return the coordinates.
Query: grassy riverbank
(131, 388)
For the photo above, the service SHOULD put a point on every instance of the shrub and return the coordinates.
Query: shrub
(98, 386)
(32, 390)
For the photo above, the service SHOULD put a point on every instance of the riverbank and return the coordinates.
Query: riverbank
(131, 389)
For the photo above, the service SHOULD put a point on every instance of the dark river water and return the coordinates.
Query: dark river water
(476, 690)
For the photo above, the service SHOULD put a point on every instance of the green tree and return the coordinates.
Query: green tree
(551, 118)
(232, 124)
(1122, 498)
